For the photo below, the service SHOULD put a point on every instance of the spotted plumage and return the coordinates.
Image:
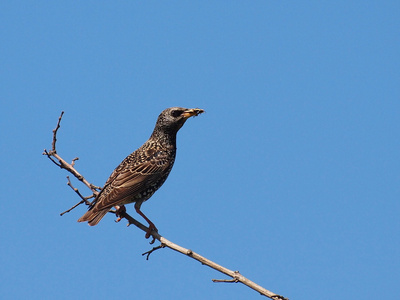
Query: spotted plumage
(144, 171)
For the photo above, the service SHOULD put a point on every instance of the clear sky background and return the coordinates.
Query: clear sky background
(291, 176)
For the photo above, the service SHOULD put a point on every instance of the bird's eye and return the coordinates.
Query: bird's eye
(176, 113)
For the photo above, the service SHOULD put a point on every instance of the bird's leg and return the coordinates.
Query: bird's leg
(151, 225)
(119, 210)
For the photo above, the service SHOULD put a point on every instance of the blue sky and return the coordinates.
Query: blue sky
(291, 176)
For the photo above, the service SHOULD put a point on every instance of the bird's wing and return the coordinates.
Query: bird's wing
(134, 175)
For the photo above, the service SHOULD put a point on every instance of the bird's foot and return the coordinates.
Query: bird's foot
(148, 232)
(119, 210)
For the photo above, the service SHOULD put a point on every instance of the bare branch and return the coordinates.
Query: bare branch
(53, 145)
(62, 163)
(235, 275)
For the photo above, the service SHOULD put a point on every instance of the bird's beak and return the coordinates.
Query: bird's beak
(192, 112)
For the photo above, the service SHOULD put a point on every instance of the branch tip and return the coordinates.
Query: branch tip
(152, 250)
(53, 145)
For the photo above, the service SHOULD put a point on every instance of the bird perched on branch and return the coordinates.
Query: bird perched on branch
(144, 171)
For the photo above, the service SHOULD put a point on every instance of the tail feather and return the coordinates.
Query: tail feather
(93, 217)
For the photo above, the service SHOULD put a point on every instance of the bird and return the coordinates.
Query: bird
(142, 172)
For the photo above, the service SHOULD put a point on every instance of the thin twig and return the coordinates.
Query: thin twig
(73, 161)
(235, 275)
(68, 210)
(62, 163)
(53, 145)
(152, 250)
(45, 152)
(84, 199)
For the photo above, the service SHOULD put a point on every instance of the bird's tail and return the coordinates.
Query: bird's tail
(93, 217)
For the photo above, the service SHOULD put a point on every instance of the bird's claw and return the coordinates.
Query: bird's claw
(148, 233)
(118, 211)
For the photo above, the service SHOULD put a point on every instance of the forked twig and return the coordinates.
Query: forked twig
(84, 199)
(235, 275)
(147, 253)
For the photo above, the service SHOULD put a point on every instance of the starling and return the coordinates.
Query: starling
(144, 171)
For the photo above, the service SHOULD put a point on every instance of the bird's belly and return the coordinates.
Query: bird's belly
(143, 195)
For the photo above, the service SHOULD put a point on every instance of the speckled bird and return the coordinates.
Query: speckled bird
(144, 171)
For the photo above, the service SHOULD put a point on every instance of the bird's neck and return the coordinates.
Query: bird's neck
(165, 139)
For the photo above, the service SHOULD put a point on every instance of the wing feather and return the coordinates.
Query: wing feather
(133, 176)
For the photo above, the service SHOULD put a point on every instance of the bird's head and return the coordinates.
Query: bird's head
(173, 118)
